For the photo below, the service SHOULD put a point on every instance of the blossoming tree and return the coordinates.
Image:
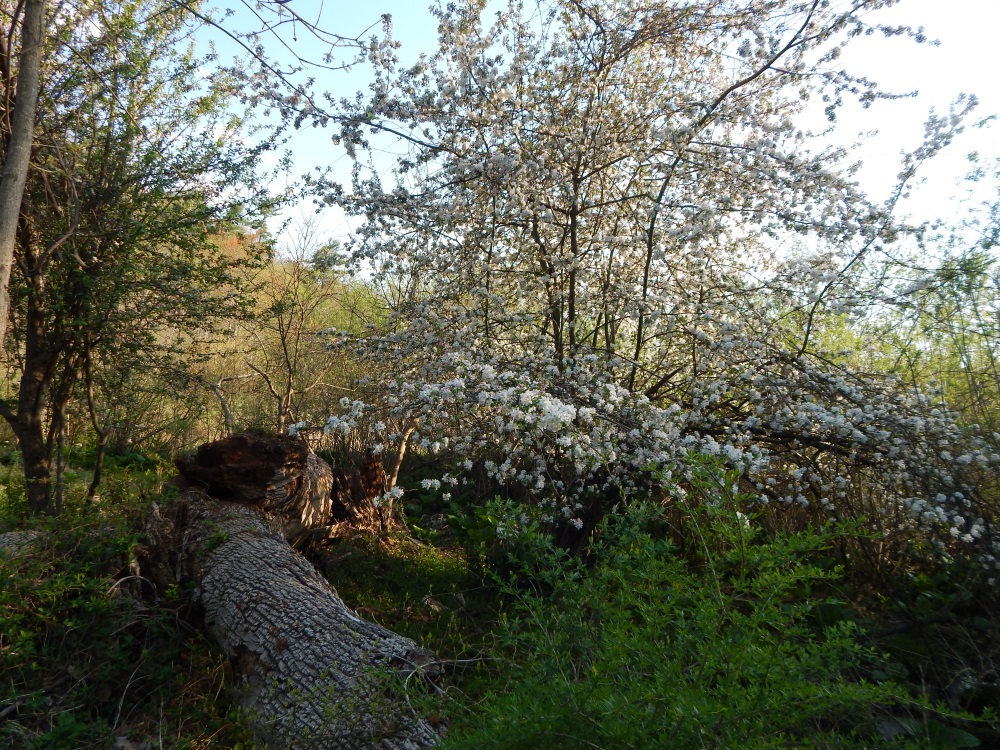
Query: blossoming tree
(611, 248)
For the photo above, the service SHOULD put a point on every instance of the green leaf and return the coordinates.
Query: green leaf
(945, 737)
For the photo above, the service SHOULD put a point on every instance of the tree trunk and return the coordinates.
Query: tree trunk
(312, 673)
(37, 459)
(38, 401)
(18, 156)
(41, 352)
(100, 452)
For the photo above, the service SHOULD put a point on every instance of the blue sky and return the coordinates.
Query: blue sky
(964, 62)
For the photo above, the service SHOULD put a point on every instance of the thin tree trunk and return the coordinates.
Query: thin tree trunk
(34, 400)
(103, 433)
(18, 156)
(60, 460)
(397, 460)
(99, 455)
(37, 458)
(227, 416)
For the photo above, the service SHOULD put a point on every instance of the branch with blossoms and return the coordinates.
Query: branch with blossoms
(616, 250)
(798, 432)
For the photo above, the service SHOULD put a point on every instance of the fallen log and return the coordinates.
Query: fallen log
(312, 674)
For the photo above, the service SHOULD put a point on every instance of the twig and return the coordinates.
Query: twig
(11, 709)
(120, 581)
(121, 701)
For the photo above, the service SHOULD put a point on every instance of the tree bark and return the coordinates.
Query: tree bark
(38, 402)
(36, 456)
(18, 156)
(37, 468)
(279, 475)
(312, 673)
(359, 496)
(13, 543)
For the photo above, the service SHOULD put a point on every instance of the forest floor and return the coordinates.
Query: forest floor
(619, 652)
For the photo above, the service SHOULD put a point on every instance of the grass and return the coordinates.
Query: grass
(89, 659)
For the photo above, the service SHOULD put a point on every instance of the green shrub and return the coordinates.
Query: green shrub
(734, 644)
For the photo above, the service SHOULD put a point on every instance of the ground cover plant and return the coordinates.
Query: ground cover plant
(91, 655)
(687, 619)
(741, 640)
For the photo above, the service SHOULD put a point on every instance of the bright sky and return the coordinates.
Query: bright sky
(962, 63)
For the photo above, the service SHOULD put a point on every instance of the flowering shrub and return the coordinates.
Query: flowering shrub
(585, 258)
(823, 439)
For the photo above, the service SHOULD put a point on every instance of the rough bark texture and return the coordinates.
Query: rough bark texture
(13, 543)
(313, 674)
(43, 392)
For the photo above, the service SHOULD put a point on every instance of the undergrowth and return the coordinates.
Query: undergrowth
(91, 656)
(733, 647)
(685, 625)
(689, 626)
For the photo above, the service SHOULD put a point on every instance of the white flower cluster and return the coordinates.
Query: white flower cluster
(557, 439)
(348, 420)
(798, 431)
(387, 498)
(601, 286)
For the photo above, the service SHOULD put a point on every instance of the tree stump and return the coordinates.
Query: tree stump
(359, 496)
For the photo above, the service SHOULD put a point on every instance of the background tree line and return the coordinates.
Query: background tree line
(139, 250)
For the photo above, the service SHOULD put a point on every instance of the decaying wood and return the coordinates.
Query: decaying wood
(312, 673)
(288, 482)
(358, 496)
(279, 475)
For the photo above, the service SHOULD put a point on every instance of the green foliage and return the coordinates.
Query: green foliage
(425, 592)
(121, 280)
(943, 637)
(13, 505)
(90, 653)
(688, 626)
(737, 644)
